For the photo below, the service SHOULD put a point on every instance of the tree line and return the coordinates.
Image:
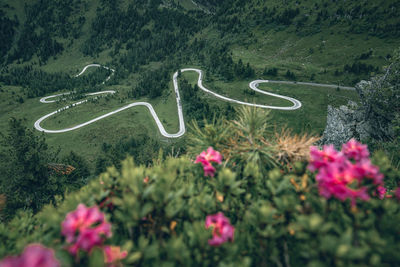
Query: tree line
(7, 31)
(33, 174)
(378, 18)
(47, 25)
(37, 82)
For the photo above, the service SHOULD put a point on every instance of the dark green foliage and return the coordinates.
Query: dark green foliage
(158, 215)
(142, 148)
(380, 100)
(46, 22)
(290, 75)
(194, 106)
(242, 71)
(146, 31)
(217, 58)
(286, 17)
(30, 44)
(152, 83)
(39, 83)
(270, 72)
(7, 31)
(360, 68)
(30, 172)
(379, 18)
(81, 173)
(25, 178)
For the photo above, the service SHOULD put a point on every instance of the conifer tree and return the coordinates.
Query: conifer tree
(25, 179)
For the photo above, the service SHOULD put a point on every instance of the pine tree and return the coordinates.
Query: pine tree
(25, 178)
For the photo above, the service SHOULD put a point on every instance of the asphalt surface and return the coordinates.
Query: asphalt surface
(253, 85)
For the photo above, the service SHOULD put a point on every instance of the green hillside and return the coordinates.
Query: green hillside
(234, 42)
(104, 162)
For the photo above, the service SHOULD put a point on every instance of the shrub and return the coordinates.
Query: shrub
(248, 214)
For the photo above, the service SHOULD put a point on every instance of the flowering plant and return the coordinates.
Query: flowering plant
(85, 228)
(222, 230)
(205, 158)
(348, 174)
(113, 254)
(34, 255)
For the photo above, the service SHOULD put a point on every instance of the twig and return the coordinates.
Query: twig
(286, 254)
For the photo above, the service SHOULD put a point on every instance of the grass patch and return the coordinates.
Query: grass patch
(319, 54)
(310, 117)
(88, 140)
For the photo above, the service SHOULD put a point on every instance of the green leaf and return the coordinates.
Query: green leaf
(134, 257)
(96, 258)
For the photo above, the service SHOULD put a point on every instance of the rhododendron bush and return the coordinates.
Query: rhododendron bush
(336, 208)
(347, 174)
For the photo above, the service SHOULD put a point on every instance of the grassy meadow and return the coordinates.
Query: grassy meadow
(312, 58)
(310, 117)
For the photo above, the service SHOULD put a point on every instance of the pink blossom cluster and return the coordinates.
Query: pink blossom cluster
(205, 158)
(346, 174)
(86, 228)
(34, 255)
(222, 230)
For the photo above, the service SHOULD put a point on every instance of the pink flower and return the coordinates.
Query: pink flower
(355, 150)
(341, 178)
(85, 228)
(205, 158)
(209, 170)
(335, 180)
(381, 191)
(321, 158)
(11, 262)
(365, 169)
(397, 193)
(210, 156)
(34, 255)
(113, 254)
(222, 232)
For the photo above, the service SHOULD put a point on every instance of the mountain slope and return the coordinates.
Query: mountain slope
(234, 42)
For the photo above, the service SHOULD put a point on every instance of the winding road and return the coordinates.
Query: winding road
(253, 85)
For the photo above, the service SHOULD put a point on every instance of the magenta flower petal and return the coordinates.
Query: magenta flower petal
(222, 232)
(216, 241)
(346, 175)
(85, 228)
(34, 255)
(213, 155)
(322, 158)
(205, 158)
(11, 262)
(397, 193)
(355, 150)
(381, 192)
(209, 170)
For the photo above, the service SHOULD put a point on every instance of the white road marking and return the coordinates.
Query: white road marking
(253, 85)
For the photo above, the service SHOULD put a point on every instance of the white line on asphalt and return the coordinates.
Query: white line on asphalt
(253, 85)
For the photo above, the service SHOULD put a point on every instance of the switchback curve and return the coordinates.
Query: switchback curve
(253, 85)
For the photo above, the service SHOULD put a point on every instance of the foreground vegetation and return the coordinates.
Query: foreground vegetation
(260, 215)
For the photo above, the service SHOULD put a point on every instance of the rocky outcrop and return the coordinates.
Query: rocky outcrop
(344, 123)
(379, 105)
